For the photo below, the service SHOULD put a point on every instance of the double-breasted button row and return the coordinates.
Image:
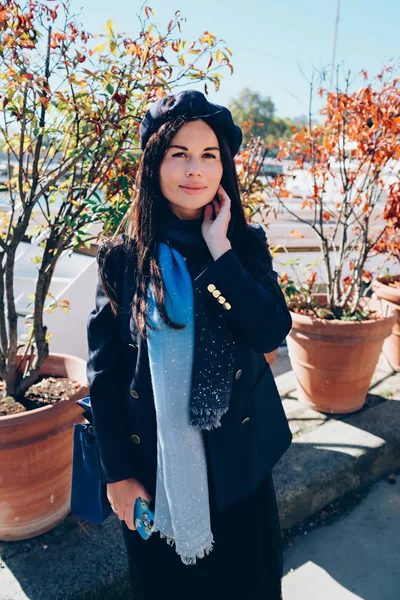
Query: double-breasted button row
(217, 294)
(135, 438)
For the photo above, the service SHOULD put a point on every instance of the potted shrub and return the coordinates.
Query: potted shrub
(70, 111)
(349, 160)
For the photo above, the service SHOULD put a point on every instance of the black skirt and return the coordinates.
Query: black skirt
(246, 560)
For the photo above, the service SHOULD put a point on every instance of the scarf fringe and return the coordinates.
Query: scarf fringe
(186, 558)
(207, 418)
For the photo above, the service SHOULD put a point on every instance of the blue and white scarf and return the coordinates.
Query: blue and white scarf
(184, 406)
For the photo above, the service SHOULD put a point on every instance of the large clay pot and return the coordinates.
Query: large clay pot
(36, 458)
(334, 361)
(391, 346)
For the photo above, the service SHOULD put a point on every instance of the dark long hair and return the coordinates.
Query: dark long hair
(144, 220)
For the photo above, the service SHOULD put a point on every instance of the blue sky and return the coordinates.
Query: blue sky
(272, 42)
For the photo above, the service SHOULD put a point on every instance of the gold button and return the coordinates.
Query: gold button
(216, 293)
(227, 306)
(211, 287)
(135, 439)
(134, 394)
(245, 420)
(221, 299)
(238, 374)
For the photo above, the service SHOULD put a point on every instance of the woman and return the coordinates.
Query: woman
(186, 411)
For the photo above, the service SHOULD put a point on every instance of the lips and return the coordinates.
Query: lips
(193, 187)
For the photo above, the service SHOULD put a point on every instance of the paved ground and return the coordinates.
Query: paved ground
(332, 457)
(357, 556)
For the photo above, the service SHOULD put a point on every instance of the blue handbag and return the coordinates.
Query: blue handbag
(88, 490)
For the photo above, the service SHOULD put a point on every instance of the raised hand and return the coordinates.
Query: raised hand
(214, 229)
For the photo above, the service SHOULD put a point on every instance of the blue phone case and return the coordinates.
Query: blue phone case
(143, 518)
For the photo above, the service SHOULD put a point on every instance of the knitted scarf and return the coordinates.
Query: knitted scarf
(184, 364)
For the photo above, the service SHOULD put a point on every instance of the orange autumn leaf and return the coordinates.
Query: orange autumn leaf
(296, 234)
(312, 277)
(347, 280)
(366, 276)
(45, 101)
(306, 204)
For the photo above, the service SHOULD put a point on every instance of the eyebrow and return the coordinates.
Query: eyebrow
(184, 148)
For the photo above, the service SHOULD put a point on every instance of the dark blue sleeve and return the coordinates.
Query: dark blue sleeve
(251, 300)
(105, 385)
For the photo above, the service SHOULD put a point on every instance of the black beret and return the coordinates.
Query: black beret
(194, 105)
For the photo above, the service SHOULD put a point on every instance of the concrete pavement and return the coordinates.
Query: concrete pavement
(356, 557)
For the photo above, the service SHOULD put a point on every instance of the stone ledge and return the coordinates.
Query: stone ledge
(336, 458)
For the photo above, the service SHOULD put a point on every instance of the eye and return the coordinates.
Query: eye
(207, 154)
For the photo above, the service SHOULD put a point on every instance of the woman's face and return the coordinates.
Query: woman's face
(191, 169)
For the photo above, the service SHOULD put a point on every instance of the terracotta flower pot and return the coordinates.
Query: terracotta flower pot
(36, 458)
(391, 346)
(334, 361)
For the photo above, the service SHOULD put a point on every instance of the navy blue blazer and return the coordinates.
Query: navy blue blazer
(254, 433)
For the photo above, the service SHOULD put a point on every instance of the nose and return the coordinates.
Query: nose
(193, 167)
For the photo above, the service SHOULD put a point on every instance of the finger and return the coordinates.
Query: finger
(220, 209)
(225, 202)
(217, 207)
(216, 200)
(149, 501)
(208, 213)
(146, 496)
(221, 191)
(219, 202)
(129, 518)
